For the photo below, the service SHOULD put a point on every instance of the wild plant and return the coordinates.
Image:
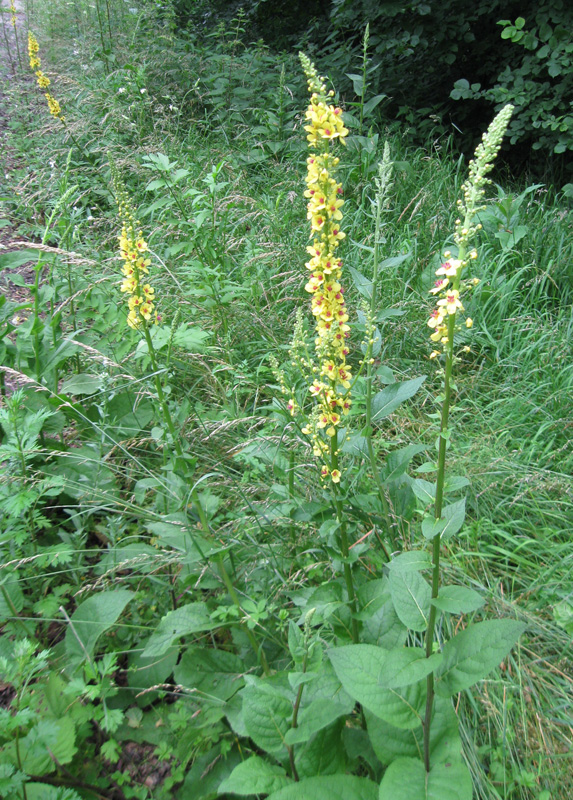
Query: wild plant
(402, 687)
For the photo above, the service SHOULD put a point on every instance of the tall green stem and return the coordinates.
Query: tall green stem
(438, 505)
(344, 548)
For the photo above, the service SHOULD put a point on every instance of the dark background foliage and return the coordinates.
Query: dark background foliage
(446, 65)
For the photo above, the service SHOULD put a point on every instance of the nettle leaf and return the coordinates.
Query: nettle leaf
(254, 776)
(449, 524)
(192, 618)
(390, 743)
(267, 716)
(361, 670)
(406, 779)
(92, 618)
(392, 396)
(329, 787)
(411, 596)
(215, 673)
(458, 600)
(472, 654)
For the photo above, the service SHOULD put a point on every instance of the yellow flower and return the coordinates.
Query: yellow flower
(335, 475)
(451, 302)
(469, 322)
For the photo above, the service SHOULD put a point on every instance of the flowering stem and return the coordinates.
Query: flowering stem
(438, 505)
(344, 548)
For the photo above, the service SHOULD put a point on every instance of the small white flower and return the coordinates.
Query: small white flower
(122, 90)
(143, 91)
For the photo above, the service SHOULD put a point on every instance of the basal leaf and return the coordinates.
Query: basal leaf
(267, 716)
(92, 618)
(192, 618)
(472, 654)
(405, 779)
(329, 787)
(254, 776)
(214, 673)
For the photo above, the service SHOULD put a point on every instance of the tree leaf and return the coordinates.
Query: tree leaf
(254, 776)
(472, 654)
(329, 787)
(388, 400)
(449, 524)
(92, 618)
(411, 596)
(458, 600)
(192, 618)
(405, 779)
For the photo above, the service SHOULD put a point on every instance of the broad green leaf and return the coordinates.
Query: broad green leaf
(424, 490)
(472, 654)
(318, 715)
(81, 384)
(362, 284)
(449, 524)
(92, 618)
(360, 670)
(267, 716)
(367, 668)
(323, 754)
(390, 743)
(254, 776)
(49, 741)
(207, 773)
(214, 673)
(392, 396)
(405, 779)
(372, 103)
(192, 618)
(144, 673)
(458, 600)
(411, 596)
(329, 787)
(16, 258)
(411, 561)
(397, 462)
